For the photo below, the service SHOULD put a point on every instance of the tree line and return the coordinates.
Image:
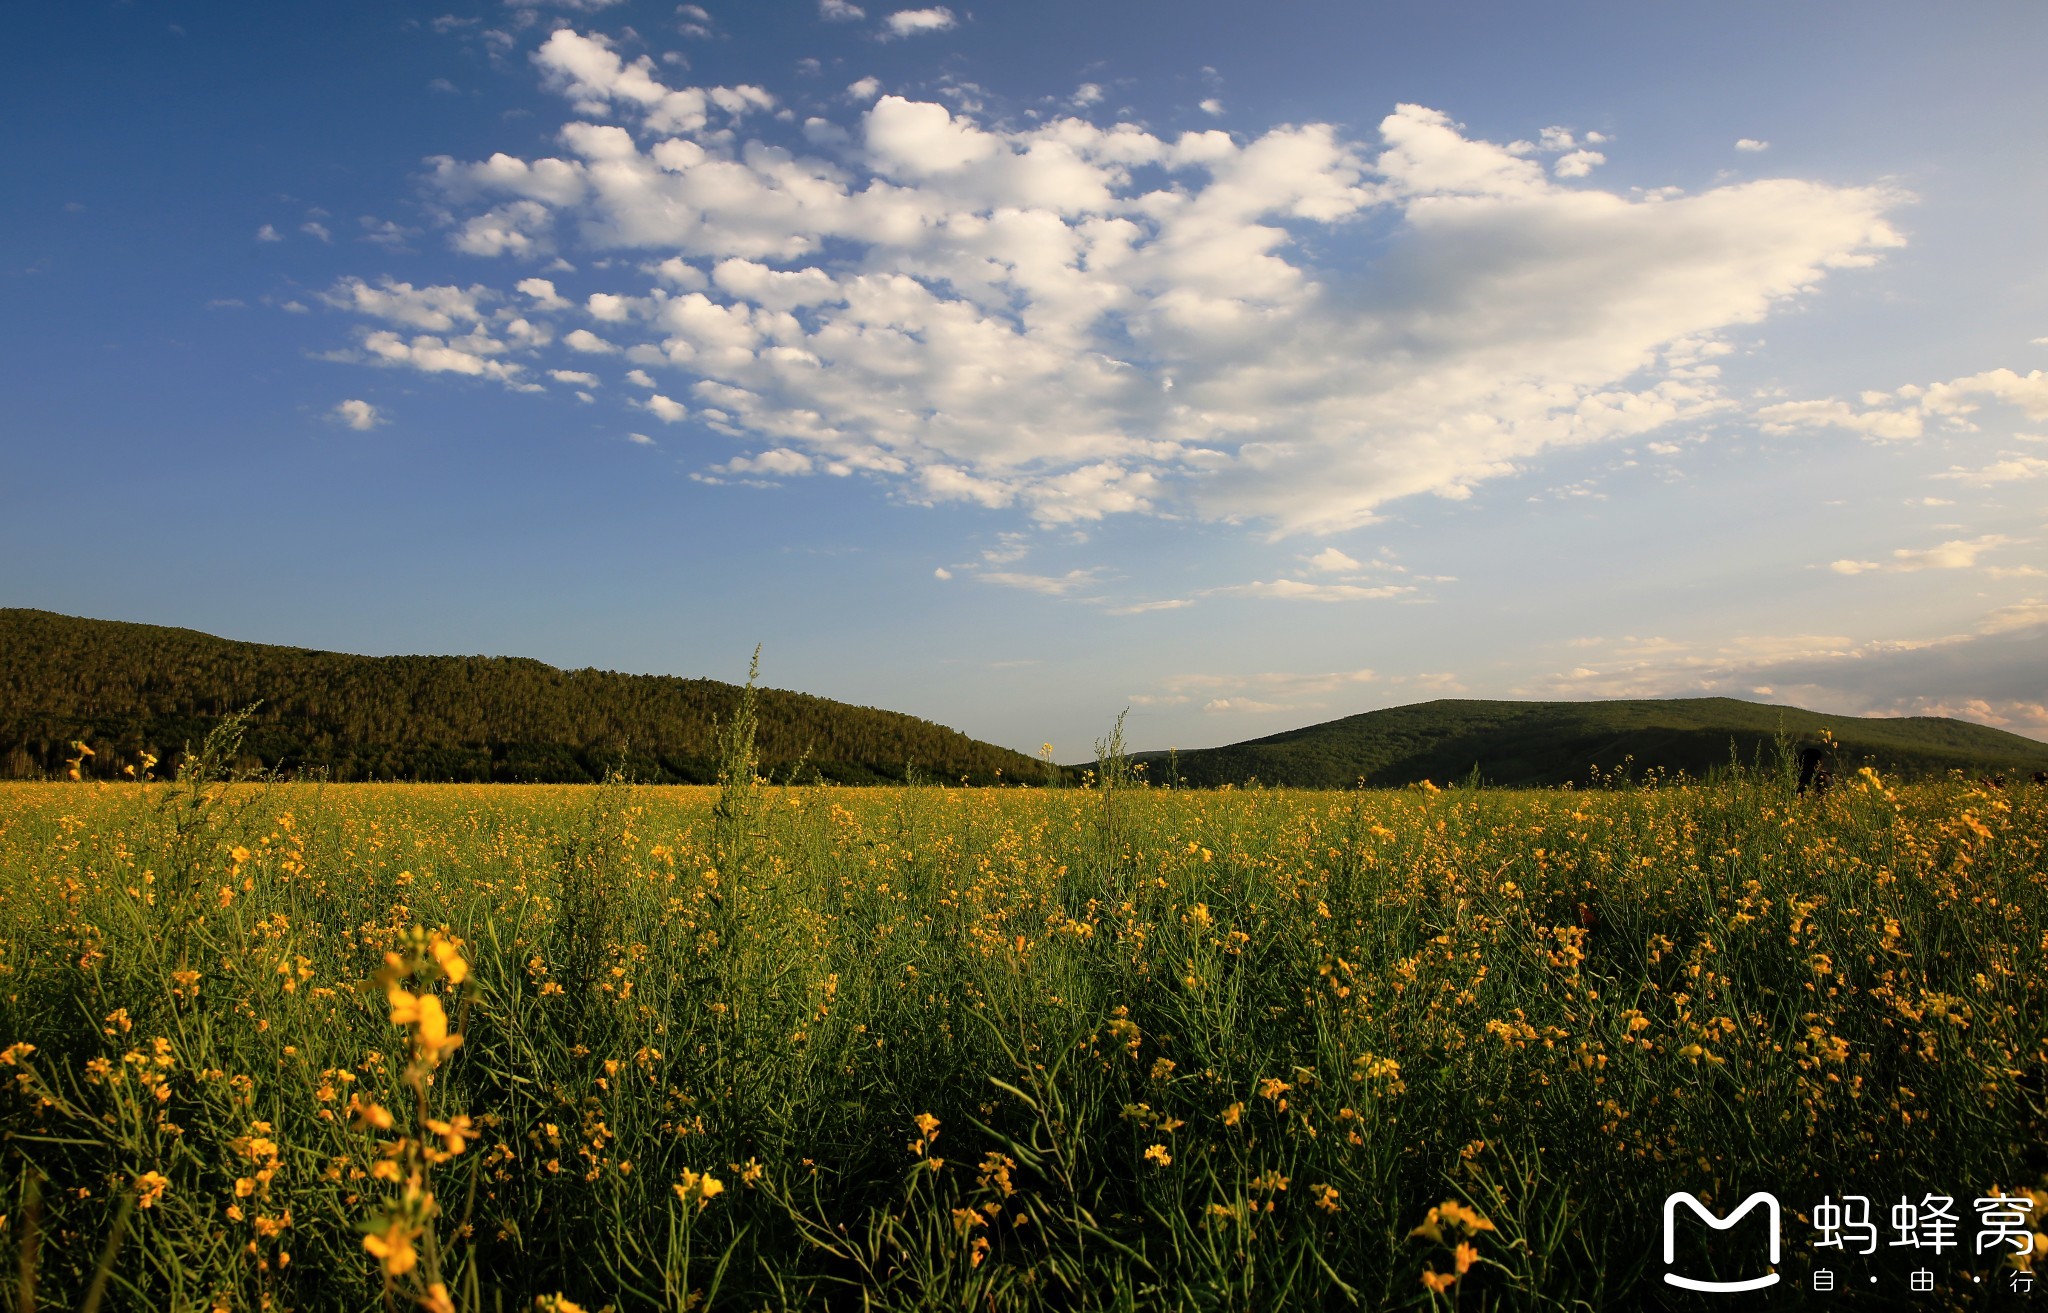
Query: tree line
(126, 690)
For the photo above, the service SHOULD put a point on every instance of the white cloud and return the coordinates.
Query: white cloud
(640, 439)
(543, 293)
(1143, 608)
(1083, 321)
(1332, 561)
(779, 461)
(468, 355)
(596, 80)
(1906, 412)
(1088, 93)
(608, 308)
(359, 415)
(267, 233)
(840, 11)
(436, 308)
(910, 22)
(1273, 690)
(1302, 590)
(665, 409)
(1959, 554)
(1059, 585)
(1752, 144)
(862, 92)
(942, 573)
(2012, 468)
(1211, 106)
(575, 376)
(1219, 706)
(314, 228)
(1577, 164)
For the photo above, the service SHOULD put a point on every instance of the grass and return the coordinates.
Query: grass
(923, 1048)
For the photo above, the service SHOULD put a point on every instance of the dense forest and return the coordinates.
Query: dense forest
(126, 689)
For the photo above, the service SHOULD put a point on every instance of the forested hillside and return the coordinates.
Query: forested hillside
(126, 689)
(1549, 743)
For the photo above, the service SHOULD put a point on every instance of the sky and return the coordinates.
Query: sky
(1242, 366)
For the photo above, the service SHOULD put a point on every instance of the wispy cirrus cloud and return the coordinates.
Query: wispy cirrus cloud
(1957, 554)
(1260, 692)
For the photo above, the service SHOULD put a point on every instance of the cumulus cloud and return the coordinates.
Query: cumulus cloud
(436, 308)
(665, 409)
(778, 461)
(543, 294)
(1907, 412)
(840, 11)
(575, 376)
(1752, 144)
(1079, 320)
(1331, 561)
(910, 22)
(359, 415)
(268, 233)
(1211, 106)
(1577, 164)
(2010, 468)
(469, 355)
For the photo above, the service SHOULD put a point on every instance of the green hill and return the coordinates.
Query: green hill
(1548, 743)
(124, 689)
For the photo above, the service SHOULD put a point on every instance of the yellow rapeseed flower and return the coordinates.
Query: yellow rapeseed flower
(393, 1247)
(447, 951)
(698, 1188)
(432, 1040)
(405, 1006)
(150, 1187)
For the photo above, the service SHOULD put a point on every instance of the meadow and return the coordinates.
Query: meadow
(294, 1046)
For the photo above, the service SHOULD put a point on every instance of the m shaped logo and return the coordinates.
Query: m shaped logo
(1760, 1199)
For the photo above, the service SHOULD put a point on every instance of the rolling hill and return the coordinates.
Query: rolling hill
(126, 688)
(1550, 743)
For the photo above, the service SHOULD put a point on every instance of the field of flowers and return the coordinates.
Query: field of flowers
(499, 1047)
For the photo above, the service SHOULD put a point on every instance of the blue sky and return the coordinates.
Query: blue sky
(1247, 366)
